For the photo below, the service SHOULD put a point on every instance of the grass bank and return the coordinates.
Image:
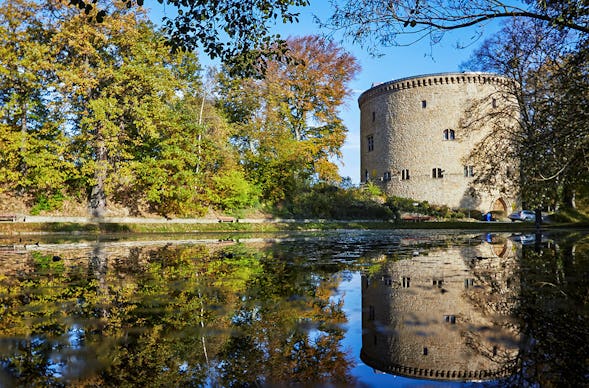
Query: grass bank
(16, 228)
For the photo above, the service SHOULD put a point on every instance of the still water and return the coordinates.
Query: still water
(334, 309)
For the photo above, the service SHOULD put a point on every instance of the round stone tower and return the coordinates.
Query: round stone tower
(418, 135)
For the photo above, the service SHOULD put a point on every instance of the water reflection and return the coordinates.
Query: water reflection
(436, 309)
(447, 314)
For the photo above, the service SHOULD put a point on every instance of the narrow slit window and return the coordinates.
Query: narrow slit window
(423, 104)
(371, 313)
(370, 142)
(468, 171)
(405, 174)
(437, 173)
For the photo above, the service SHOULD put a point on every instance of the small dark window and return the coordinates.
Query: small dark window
(424, 104)
(450, 319)
(468, 171)
(468, 283)
(425, 351)
(373, 116)
(405, 174)
(366, 176)
(371, 313)
(370, 140)
(406, 282)
(494, 103)
(387, 176)
(449, 134)
(437, 173)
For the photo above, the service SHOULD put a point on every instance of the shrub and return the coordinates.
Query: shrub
(231, 191)
(47, 203)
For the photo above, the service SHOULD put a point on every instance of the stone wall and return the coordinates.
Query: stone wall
(412, 142)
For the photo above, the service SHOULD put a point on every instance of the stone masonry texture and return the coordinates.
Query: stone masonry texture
(412, 143)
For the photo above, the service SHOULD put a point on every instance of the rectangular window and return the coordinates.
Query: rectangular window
(373, 116)
(437, 173)
(494, 103)
(450, 319)
(406, 282)
(423, 104)
(405, 174)
(449, 134)
(370, 140)
(387, 176)
(468, 171)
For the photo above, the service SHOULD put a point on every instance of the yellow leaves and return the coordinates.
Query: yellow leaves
(327, 171)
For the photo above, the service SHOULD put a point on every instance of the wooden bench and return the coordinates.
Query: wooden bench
(8, 217)
(226, 219)
(415, 218)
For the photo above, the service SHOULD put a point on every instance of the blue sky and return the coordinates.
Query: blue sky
(394, 63)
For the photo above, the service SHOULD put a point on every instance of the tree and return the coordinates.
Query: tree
(131, 105)
(289, 127)
(550, 70)
(32, 141)
(402, 22)
(92, 58)
(238, 32)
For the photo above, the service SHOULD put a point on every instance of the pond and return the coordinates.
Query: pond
(343, 308)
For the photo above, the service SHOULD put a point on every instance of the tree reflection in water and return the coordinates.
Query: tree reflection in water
(168, 316)
(250, 314)
(554, 310)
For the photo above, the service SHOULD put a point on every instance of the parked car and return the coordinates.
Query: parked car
(523, 215)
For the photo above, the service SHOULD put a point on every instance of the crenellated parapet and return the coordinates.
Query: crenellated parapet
(429, 80)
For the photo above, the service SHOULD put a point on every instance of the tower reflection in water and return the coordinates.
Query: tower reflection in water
(445, 314)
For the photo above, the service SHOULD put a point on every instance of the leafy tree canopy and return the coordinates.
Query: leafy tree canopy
(237, 32)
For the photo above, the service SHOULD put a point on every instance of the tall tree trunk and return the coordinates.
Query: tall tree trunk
(98, 194)
(568, 197)
(23, 144)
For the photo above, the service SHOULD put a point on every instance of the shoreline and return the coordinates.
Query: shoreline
(130, 225)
